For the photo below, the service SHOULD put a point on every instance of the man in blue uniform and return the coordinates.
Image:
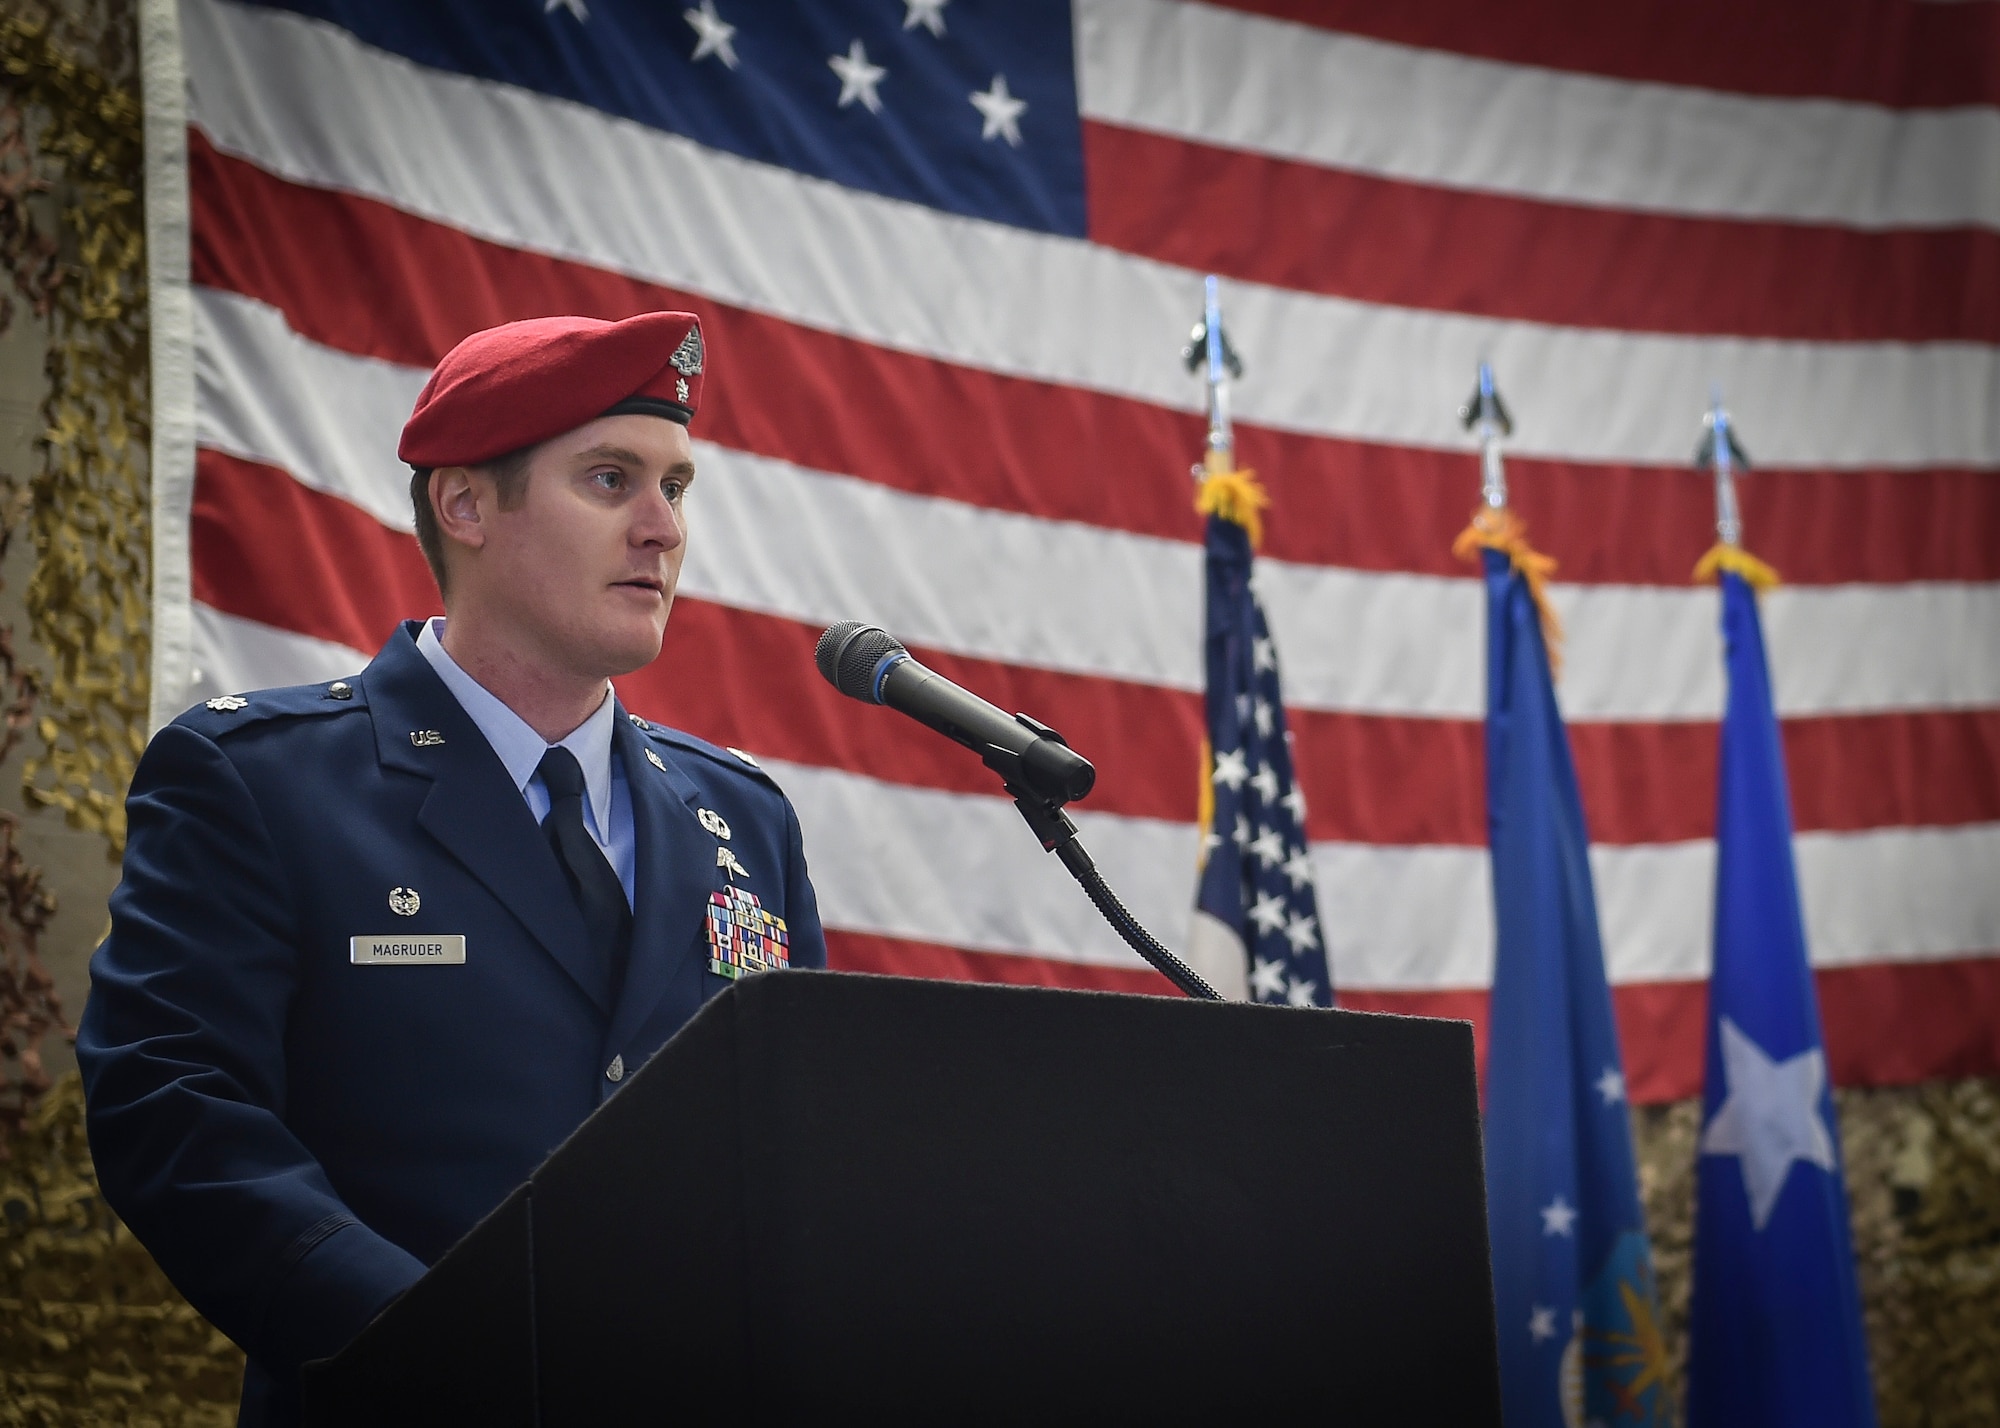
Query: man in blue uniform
(382, 943)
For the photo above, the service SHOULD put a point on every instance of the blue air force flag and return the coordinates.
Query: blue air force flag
(1256, 927)
(1579, 1328)
(1775, 1333)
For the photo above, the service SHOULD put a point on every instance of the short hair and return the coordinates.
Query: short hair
(510, 481)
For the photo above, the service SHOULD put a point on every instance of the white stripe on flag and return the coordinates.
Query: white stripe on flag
(780, 539)
(960, 870)
(1426, 116)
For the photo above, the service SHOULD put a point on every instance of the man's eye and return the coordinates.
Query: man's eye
(610, 480)
(674, 489)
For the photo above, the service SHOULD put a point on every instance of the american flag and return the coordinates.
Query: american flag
(1256, 931)
(945, 255)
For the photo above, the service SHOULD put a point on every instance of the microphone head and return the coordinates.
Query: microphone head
(850, 653)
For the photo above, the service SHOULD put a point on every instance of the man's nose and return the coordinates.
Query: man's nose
(659, 523)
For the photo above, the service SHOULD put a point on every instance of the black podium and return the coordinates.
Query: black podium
(840, 1198)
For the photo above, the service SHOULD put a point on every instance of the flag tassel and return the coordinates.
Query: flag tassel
(1500, 529)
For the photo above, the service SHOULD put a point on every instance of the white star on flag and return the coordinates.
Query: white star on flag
(1295, 801)
(1266, 783)
(1242, 834)
(575, 7)
(1558, 1217)
(1269, 913)
(928, 13)
(1263, 654)
(1001, 111)
(858, 78)
(1299, 868)
(1262, 714)
(1300, 992)
(1770, 1119)
(1302, 932)
(1231, 768)
(1269, 847)
(1542, 1324)
(713, 35)
(1611, 1086)
(1267, 979)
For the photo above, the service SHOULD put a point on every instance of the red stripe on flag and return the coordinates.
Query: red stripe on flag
(1895, 52)
(270, 549)
(899, 957)
(362, 277)
(1315, 229)
(1885, 1024)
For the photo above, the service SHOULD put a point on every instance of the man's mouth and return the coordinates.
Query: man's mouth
(644, 582)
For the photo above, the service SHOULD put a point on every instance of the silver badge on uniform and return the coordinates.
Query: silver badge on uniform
(404, 902)
(227, 703)
(726, 860)
(712, 821)
(426, 738)
(655, 760)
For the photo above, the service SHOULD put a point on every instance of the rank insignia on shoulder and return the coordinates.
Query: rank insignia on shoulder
(713, 822)
(743, 937)
(228, 703)
(726, 860)
(743, 756)
(656, 761)
(638, 722)
(426, 738)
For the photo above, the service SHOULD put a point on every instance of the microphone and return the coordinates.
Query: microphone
(868, 663)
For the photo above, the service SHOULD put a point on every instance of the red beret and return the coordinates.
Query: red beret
(523, 382)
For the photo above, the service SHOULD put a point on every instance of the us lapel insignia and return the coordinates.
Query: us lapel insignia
(726, 860)
(712, 821)
(426, 738)
(743, 937)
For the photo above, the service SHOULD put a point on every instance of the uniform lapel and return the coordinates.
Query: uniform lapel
(473, 808)
(676, 873)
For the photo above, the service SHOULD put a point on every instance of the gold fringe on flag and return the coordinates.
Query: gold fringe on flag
(1738, 561)
(1233, 495)
(1505, 532)
(1204, 815)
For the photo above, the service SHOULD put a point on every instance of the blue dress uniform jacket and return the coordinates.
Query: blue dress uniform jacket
(296, 1137)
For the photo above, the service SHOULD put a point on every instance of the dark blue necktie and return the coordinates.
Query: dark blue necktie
(606, 915)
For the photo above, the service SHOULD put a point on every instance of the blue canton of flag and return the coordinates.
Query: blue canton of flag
(971, 109)
(1255, 903)
(1775, 1334)
(1580, 1338)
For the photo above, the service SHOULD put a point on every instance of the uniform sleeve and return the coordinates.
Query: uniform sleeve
(182, 1048)
(808, 939)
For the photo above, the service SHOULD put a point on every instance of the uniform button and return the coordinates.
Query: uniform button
(616, 1070)
(340, 689)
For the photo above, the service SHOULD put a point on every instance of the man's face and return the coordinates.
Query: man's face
(582, 572)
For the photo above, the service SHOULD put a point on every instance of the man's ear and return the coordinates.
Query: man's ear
(455, 497)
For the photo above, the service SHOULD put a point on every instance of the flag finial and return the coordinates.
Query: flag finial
(1208, 352)
(1487, 416)
(1721, 452)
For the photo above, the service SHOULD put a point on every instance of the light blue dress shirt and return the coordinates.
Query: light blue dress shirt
(607, 810)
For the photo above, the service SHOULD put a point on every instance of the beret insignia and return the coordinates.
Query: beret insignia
(687, 357)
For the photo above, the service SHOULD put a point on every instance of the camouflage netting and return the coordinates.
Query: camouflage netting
(90, 1332)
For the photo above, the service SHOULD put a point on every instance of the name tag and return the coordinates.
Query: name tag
(406, 949)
